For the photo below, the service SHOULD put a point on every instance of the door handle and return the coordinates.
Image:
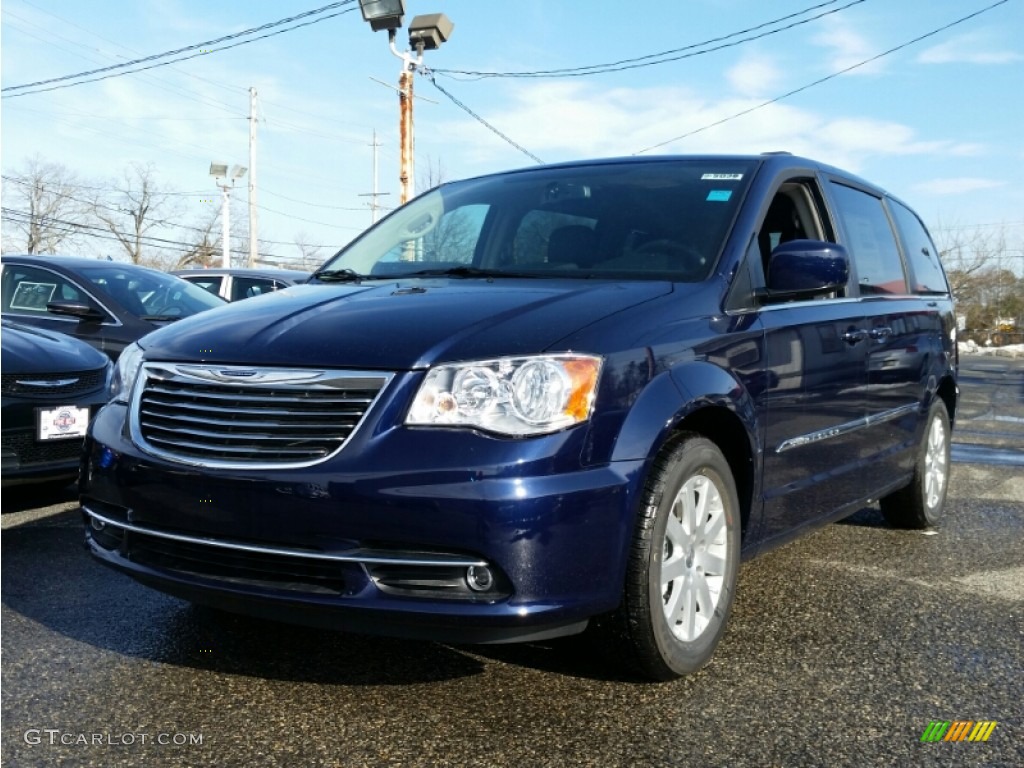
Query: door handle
(882, 333)
(855, 336)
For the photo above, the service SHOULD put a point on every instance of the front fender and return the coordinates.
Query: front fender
(674, 395)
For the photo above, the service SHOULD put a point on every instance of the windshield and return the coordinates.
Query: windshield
(628, 220)
(150, 294)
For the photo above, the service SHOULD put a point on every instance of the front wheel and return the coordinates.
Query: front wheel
(920, 504)
(684, 562)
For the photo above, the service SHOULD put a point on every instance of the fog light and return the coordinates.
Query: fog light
(479, 578)
(97, 525)
(106, 458)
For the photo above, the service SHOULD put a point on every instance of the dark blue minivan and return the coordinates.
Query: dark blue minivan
(535, 401)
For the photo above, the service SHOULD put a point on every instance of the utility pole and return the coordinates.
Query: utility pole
(407, 161)
(253, 240)
(375, 194)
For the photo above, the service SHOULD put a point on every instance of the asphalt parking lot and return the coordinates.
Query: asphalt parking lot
(842, 649)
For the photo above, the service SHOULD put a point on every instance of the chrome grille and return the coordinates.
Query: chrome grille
(230, 416)
(56, 384)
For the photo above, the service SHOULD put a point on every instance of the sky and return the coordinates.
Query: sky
(905, 93)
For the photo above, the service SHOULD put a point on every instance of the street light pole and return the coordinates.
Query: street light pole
(220, 173)
(225, 226)
(406, 141)
(407, 161)
(426, 33)
(253, 239)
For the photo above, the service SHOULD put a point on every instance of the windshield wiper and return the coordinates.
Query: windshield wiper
(160, 318)
(338, 276)
(466, 272)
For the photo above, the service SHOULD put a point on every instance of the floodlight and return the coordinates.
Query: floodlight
(383, 14)
(429, 31)
(219, 170)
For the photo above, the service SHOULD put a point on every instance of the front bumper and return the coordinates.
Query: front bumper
(381, 538)
(27, 460)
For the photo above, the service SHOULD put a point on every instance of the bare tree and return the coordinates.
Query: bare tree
(43, 209)
(989, 294)
(433, 175)
(135, 207)
(967, 250)
(310, 256)
(205, 248)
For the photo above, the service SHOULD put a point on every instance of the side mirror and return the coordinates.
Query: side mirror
(82, 310)
(803, 269)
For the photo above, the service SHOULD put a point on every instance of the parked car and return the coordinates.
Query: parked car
(535, 402)
(107, 304)
(240, 283)
(52, 386)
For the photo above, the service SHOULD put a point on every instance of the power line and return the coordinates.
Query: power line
(91, 230)
(313, 205)
(483, 122)
(103, 233)
(157, 81)
(180, 50)
(652, 59)
(176, 51)
(202, 230)
(826, 78)
(233, 88)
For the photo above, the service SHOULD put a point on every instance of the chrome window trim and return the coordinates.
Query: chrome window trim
(360, 556)
(846, 428)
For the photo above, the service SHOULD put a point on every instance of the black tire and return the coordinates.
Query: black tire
(706, 559)
(920, 504)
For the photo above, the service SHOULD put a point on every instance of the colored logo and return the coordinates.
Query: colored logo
(958, 730)
(65, 420)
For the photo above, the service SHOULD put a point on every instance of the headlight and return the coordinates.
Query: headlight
(125, 373)
(510, 396)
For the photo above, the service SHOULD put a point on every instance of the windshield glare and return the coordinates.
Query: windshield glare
(148, 293)
(653, 220)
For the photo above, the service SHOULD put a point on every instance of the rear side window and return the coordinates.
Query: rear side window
(208, 284)
(871, 242)
(927, 275)
(247, 287)
(29, 289)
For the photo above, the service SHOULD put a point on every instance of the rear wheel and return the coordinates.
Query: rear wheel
(920, 504)
(685, 558)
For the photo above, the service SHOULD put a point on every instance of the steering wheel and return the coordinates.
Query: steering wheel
(671, 256)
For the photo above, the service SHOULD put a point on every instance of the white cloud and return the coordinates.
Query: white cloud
(957, 186)
(564, 121)
(754, 75)
(848, 48)
(974, 48)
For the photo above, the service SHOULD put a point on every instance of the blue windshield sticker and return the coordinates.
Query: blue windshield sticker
(719, 195)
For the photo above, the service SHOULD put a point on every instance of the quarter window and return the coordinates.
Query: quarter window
(871, 242)
(920, 250)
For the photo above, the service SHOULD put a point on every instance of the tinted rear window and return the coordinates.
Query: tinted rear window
(928, 276)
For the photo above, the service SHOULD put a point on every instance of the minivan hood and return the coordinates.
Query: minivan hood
(397, 325)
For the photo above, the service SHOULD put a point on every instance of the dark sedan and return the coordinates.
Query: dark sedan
(105, 303)
(52, 384)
